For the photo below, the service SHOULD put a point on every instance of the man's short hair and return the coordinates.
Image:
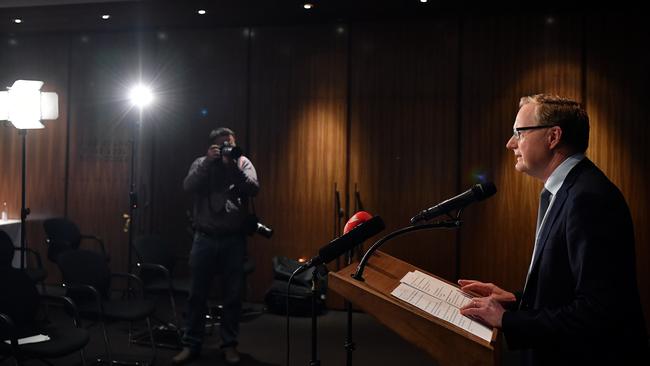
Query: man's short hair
(221, 131)
(565, 113)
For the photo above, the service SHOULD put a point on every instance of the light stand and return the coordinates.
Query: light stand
(133, 197)
(24, 105)
(24, 211)
(140, 97)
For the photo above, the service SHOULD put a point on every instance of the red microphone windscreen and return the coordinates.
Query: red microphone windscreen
(356, 219)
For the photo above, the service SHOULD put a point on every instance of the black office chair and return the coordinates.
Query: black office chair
(19, 318)
(88, 281)
(36, 272)
(156, 262)
(62, 235)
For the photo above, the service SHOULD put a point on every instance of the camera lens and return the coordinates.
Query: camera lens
(253, 225)
(264, 230)
(232, 152)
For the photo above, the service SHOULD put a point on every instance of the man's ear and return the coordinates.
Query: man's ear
(554, 136)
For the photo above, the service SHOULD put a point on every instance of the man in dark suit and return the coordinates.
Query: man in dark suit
(580, 303)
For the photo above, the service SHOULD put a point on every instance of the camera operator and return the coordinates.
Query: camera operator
(221, 182)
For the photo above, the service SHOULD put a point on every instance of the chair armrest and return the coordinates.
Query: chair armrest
(90, 289)
(7, 325)
(155, 267)
(67, 303)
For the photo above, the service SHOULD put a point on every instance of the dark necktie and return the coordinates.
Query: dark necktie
(544, 200)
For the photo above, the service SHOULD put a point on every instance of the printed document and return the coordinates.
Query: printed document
(439, 299)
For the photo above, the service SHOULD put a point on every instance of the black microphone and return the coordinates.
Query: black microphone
(342, 244)
(478, 192)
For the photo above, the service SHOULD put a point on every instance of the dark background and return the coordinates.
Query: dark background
(403, 102)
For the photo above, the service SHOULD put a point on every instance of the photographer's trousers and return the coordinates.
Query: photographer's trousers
(211, 256)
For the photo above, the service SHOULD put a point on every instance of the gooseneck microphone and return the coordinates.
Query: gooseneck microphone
(478, 192)
(365, 226)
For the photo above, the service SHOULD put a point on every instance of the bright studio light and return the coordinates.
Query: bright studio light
(24, 105)
(140, 96)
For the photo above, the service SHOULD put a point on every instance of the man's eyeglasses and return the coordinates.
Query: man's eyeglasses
(516, 132)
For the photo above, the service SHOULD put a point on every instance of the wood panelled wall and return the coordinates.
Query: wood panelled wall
(407, 114)
(102, 128)
(298, 106)
(404, 132)
(617, 79)
(204, 78)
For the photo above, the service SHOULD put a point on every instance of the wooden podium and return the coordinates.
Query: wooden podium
(446, 343)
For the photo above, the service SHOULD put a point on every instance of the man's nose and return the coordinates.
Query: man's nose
(512, 143)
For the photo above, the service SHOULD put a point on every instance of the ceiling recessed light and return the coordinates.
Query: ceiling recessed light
(423, 1)
(18, 20)
(308, 5)
(201, 12)
(106, 16)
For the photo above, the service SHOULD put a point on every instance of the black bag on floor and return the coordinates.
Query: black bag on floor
(300, 292)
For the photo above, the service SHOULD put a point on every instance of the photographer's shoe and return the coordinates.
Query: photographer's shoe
(185, 356)
(231, 355)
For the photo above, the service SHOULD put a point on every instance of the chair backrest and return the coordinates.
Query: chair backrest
(6, 250)
(85, 267)
(62, 235)
(60, 228)
(20, 299)
(157, 250)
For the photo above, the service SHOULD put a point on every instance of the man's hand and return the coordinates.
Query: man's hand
(487, 310)
(487, 289)
(214, 153)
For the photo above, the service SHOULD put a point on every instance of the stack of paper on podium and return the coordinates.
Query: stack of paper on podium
(439, 299)
(421, 308)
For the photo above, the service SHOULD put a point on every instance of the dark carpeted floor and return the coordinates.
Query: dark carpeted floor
(263, 342)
